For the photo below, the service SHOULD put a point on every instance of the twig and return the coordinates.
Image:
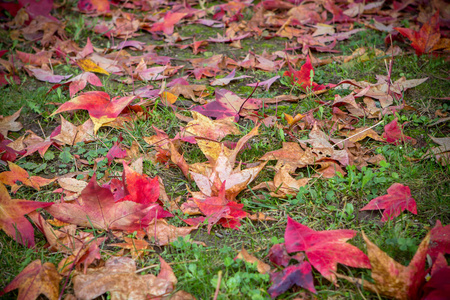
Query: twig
(251, 94)
(358, 133)
(219, 280)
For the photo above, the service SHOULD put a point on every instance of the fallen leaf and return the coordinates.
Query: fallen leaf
(261, 266)
(101, 109)
(12, 219)
(137, 247)
(88, 65)
(72, 135)
(34, 280)
(227, 79)
(324, 249)
(163, 233)
(119, 278)
(18, 177)
(304, 78)
(398, 199)
(299, 275)
(167, 25)
(426, 38)
(9, 123)
(218, 209)
(439, 240)
(216, 130)
(392, 279)
(394, 135)
(96, 208)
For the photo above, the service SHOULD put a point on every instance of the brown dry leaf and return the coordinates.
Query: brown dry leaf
(163, 233)
(261, 266)
(59, 240)
(137, 247)
(71, 134)
(442, 152)
(361, 133)
(204, 127)
(209, 177)
(259, 216)
(283, 184)
(118, 277)
(189, 91)
(71, 187)
(291, 156)
(9, 123)
(34, 280)
(391, 278)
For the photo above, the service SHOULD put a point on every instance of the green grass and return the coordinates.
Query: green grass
(326, 204)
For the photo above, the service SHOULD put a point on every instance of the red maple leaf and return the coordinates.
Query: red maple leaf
(170, 19)
(324, 249)
(101, 108)
(220, 210)
(143, 190)
(12, 219)
(393, 134)
(439, 240)
(426, 38)
(398, 199)
(96, 208)
(116, 151)
(293, 275)
(304, 77)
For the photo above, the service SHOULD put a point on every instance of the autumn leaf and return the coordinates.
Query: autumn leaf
(34, 280)
(119, 278)
(324, 249)
(136, 247)
(163, 233)
(394, 135)
(392, 279)
(12, 220)
(210, 177)
(9, 123)
(304, 78)
(216, 130)
(227, 79)
(144, 190)
(439, 240)
(93, 6)
(18, 177)
(88, 65)
(398, 199)
(96, 208)
(299, 275)
(71, 135)
(101, 109)
(79, 82)
(218, 209)
(261, 266)
(167, 26)
(426, 38)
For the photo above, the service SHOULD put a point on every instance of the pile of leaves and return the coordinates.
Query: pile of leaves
(133, 202)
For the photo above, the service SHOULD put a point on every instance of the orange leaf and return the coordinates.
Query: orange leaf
(34, 280)
(19, 175)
